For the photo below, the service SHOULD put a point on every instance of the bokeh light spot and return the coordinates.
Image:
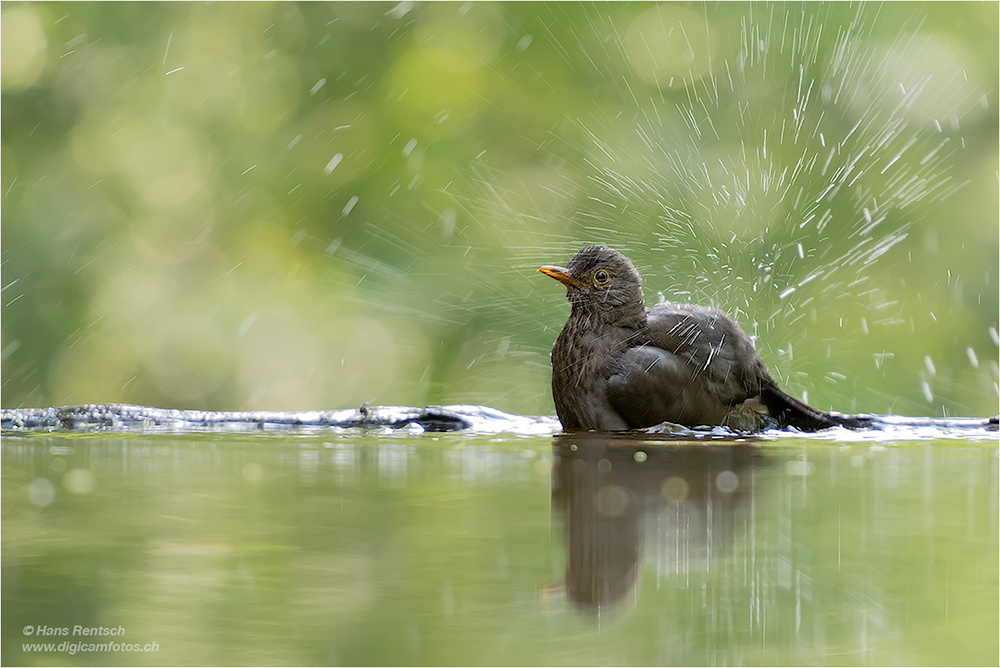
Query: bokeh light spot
(80, 481)
(460, 38)
(924, 79)
(612, 501)
(727, 482)
(42, 492)
(668, 46)
(23, 46)
(253, 472)
(675, 489)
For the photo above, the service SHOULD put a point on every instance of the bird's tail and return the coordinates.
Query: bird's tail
(790, 412)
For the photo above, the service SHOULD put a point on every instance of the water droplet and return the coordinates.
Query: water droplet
(334, 161)
(246, 325)
(349, 206)
(319, 84)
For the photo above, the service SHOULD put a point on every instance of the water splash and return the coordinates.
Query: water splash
(470, 419)
(779, 177)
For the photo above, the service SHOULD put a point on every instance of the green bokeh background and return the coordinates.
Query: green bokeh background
(293, 206)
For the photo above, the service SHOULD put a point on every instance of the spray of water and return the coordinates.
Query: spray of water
(769, 161)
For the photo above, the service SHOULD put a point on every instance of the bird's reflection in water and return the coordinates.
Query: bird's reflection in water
(623, 501)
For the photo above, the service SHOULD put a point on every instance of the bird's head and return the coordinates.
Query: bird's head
(601, 280)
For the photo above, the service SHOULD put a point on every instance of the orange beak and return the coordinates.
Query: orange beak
(562, 276)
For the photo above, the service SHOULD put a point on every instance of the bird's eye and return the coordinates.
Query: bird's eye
(601, 277)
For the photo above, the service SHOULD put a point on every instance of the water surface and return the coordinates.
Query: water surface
(405, 548)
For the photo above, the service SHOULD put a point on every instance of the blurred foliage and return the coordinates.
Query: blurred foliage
(292, 206)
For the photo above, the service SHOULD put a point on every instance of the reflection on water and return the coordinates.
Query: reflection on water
(675, 506)
(424, 549)
(765, 553)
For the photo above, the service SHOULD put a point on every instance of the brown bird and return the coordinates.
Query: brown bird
(618, 365)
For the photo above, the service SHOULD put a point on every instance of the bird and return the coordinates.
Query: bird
(619, 366)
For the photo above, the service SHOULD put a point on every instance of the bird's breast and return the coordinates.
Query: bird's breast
(583, 358)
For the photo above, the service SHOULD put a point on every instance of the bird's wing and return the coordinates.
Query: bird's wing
(718, 352)
(701, 363)
(650, 385)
